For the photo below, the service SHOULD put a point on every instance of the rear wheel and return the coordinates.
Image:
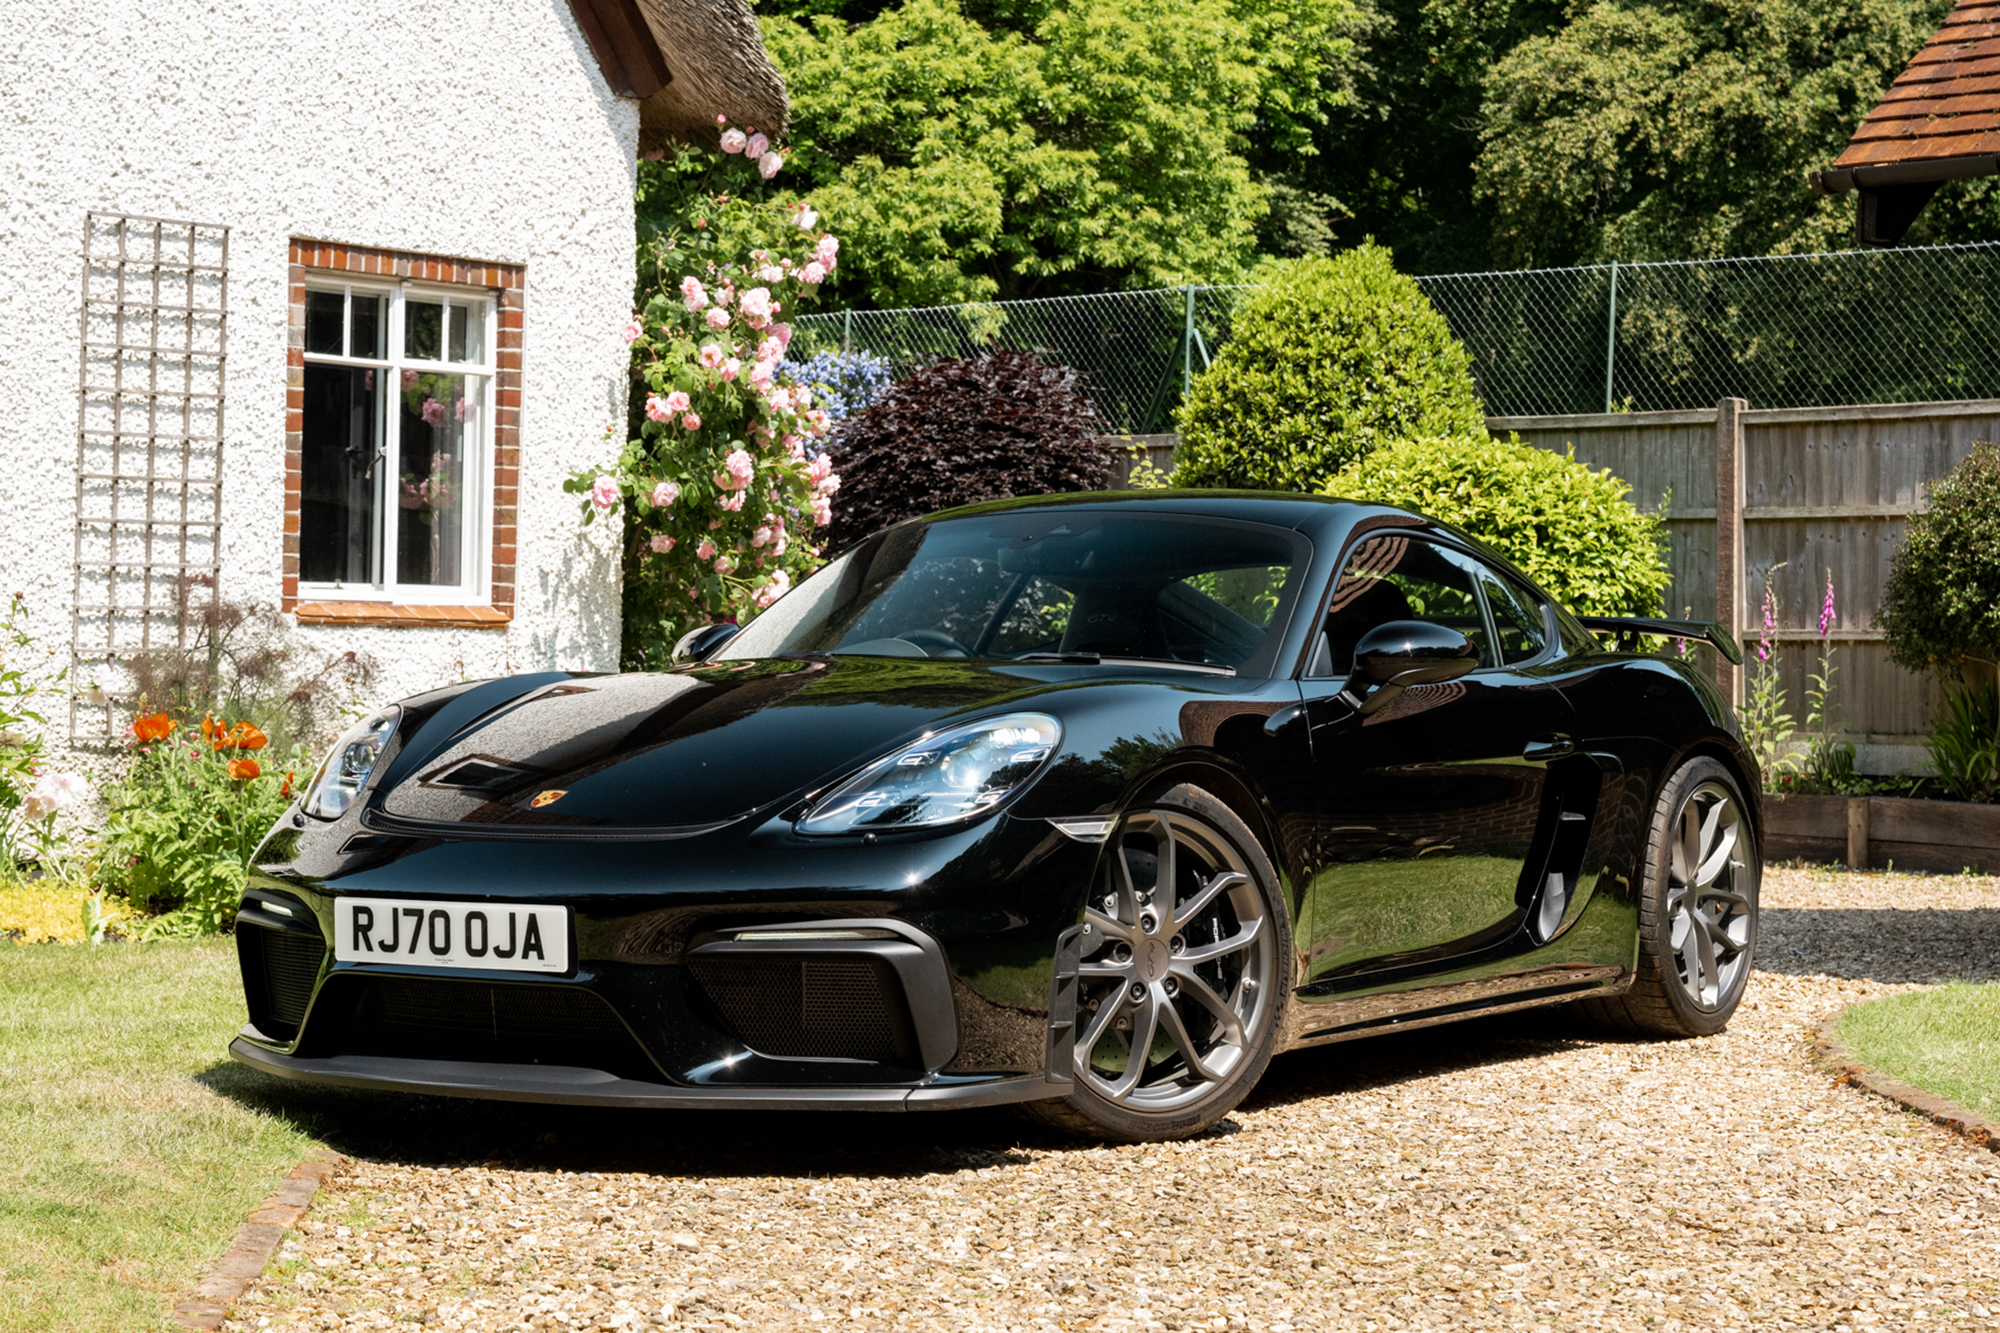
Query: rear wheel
(1183, 975)
(1698, 916)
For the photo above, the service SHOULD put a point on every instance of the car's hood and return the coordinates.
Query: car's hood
(684, 749)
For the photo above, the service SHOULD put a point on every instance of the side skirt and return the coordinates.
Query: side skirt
(1429, 1008)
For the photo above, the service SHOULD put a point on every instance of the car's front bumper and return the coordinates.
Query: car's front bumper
(571, 1085)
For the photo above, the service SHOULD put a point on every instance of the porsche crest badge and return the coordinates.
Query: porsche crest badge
(549, 797)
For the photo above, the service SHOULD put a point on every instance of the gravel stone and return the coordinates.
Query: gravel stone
(1512, 1172)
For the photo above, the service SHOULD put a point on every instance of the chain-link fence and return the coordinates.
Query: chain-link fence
(1870, 326)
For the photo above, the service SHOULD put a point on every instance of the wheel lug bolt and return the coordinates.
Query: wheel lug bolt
(1173, 987)
(1178, 945)
(1149, 923)
(1121, 954)
(1138, 991)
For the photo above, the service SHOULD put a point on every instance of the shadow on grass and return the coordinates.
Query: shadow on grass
(446, 1131)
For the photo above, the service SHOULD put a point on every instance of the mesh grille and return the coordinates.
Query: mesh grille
(460, 1020)
(287, 963)
(820, 1008)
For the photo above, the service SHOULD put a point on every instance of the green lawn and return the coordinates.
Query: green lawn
(1945, 1041)
(130, 1148)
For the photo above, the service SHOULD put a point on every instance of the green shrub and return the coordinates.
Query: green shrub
(191, 810)
(1328, 359)
(1941, 605)
(1571, 530)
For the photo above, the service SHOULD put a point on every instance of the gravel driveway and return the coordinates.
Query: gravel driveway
(1508, 1173)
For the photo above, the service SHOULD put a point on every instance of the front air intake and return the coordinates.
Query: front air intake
(281, 961)
(818, 1008)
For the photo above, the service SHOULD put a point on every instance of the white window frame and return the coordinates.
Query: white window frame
(476, 587)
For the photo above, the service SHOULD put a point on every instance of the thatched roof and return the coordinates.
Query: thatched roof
(686, 61)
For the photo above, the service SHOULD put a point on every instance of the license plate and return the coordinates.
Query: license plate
(506, 937)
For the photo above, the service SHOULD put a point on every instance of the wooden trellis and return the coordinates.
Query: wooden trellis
(153, 332)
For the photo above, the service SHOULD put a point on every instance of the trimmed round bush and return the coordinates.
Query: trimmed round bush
(1328, 359)
(1573, 531)
(956, 432)
(1941, 604)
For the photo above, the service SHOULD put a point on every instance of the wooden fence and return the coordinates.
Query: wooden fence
(1803, 491)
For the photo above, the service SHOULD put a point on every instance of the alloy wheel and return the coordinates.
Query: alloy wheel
(1711, 906)
(1178, 964)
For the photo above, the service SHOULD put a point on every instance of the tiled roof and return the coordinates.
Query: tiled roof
(1946, 103)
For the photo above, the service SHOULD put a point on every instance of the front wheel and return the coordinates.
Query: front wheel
(1183, 976)
(1698, 915)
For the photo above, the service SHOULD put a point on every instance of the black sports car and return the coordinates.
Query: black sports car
(1091, 803)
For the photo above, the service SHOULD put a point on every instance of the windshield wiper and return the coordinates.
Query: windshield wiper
(1100, 659)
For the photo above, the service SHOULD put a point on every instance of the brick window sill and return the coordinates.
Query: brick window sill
(389, 613)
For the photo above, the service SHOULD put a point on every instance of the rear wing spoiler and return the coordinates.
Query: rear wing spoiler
(1630, 628)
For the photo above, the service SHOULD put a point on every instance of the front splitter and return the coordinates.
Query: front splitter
(567, 1085)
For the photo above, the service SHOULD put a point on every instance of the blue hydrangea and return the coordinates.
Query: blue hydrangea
(843, 383)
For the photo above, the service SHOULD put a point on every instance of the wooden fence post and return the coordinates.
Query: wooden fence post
(1729, 553)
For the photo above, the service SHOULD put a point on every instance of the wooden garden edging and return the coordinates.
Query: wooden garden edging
(1865, 831)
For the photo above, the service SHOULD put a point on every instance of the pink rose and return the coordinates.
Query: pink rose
(721, 119)
(711, 356)
(718, 318)
(826, 252)
(813, 274)
(762, 537)
(676, 403)
(780, 584)
(769, 165)
(409, 379)
(739, 466)
(822, 511)
(632, 330)
(783, 333)
(665, 494)
(662, 543)
(734, 504)
(734, 141)
(604, 492)
(807, 218)
(467, 409)
(433, 412)
(692, 294)
(819, 469)
(770, 273)
(756, 307)
(730, 369)
(756, 146)
(828, 486)
(692, 421)
(770, 350)
(705, 551)
(657, 410)
(725, 565)
(760, 373)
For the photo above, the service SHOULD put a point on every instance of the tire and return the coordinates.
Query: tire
(1694, 956)
(1207, 982)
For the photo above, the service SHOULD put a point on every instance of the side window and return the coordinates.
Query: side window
(1520, 625)
(1034, 621)
(1397, 577)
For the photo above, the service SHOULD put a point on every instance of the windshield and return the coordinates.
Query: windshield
(1065, 585)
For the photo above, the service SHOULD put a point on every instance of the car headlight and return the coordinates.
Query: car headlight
(347, 768)
(946, 777)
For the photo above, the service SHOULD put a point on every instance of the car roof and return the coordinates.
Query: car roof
(1306, 513)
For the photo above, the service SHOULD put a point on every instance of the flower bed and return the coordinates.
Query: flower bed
(1910, 833)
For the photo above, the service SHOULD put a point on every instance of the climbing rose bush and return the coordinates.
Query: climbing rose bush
(723, 485)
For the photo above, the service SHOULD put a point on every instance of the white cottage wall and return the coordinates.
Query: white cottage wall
(478, 129)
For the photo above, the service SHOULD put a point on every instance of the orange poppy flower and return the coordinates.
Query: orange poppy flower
(285, 788)
(156, 727)
(246, 736)
(211, 731)
(243, 769)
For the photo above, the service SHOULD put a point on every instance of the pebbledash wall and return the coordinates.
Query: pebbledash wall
(477, 131)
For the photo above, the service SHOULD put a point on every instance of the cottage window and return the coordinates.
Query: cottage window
(395, 442)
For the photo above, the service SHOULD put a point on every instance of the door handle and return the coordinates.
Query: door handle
(1545, 748)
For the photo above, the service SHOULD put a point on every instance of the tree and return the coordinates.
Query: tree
(1035, 149)
(1684, 128)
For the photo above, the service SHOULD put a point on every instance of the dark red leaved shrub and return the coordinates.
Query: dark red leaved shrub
(956, 432)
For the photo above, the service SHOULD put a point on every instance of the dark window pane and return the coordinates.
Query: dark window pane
(323, 321)
(460, 319)
(440, 413)
(340, 438)
(423, 330)
(1392, 577)
(364, 338)
(1517, 617)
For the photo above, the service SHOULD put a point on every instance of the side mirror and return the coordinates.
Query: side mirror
(698, 645)
(1402, 653)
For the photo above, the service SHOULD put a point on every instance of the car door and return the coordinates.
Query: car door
(1426, 809)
